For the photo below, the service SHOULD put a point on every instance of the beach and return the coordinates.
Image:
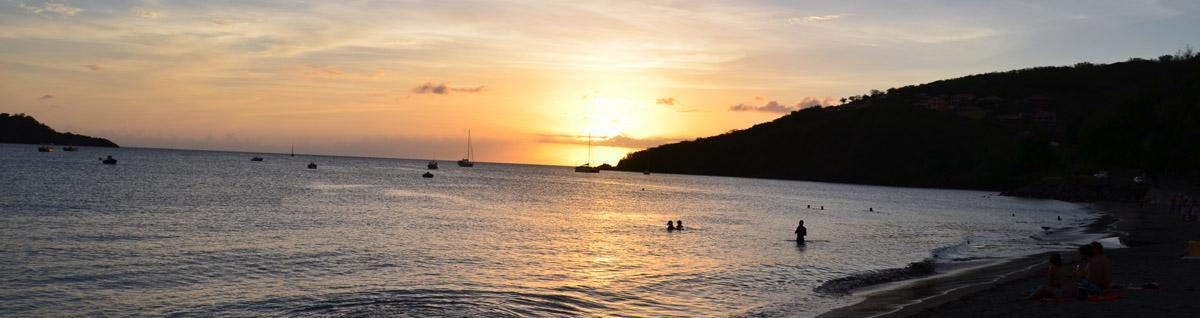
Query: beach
(1155, 241)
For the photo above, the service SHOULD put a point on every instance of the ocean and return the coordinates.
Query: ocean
(205, 233)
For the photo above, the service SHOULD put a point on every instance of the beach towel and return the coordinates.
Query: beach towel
(1110, 294)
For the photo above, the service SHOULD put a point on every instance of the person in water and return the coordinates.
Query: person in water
(1058, 279)
(679, 225)
(801, 232)
(670, 226)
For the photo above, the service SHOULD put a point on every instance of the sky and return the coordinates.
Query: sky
(531, 80)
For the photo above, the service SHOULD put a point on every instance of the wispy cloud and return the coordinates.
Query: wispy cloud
(776, 107)
(323, 72)
(669, 101)
(50, 7)
(770, 107)
(443, 89)
(45, 97)
(145, 14)
(817, 18)
(610, 141)
(475, 89)
(815, 101)
(429, 88)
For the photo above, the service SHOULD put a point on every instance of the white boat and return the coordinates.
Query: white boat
(466, 162)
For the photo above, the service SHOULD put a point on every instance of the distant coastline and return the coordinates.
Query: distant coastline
(24, 129)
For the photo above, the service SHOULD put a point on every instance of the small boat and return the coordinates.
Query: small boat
(109, 161)
(256, 159)
(312, 165)
(466, 162)
(427, 175)
(69, 148)
(432, 165)
(587, 167)
(647, 172)
(45, 149)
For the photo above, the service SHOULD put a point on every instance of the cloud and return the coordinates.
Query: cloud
(613, 141)
(94, 67)
(468, 89)
(145, 14)
(429, 88)
(818, 18)
(323, 72)
(669, 101)
(814, 101)
(776, 107)
(45, 97)
(770, 107)
(443, 89)
(50, 7)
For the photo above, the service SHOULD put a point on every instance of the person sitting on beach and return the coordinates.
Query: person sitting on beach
(1099, 268)
(1058, 278)
(670, 226)
(1089, 276)
(801, 231)
(679, 225)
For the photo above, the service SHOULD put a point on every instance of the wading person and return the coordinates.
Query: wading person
(801, 232)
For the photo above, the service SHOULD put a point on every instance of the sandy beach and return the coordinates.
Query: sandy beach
(1155, 241)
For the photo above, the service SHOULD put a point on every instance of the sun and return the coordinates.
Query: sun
(606, 116)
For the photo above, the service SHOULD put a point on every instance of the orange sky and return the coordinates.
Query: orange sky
(530, 79)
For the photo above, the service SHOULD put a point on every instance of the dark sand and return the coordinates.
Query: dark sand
(1156, 241)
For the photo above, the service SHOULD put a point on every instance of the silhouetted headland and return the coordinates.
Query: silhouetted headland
(994, 131)
(23, 129)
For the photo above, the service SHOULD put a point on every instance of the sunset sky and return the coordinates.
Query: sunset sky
(531, 79)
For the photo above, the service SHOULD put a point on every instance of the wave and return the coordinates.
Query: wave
(847, 284)
(414, 303)
(926, 267)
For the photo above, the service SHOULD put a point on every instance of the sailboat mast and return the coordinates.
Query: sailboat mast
(589, 148)
(468, 145)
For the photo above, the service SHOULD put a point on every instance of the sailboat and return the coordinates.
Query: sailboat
(466, 162)
(587, 167)
(293, 150)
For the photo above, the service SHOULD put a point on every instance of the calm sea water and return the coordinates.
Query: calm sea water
(169, 232)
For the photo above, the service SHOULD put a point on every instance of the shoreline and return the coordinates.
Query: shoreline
(906, 297)
(1153, 239)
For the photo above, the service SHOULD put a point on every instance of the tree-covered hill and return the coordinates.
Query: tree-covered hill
(988, 131)
(23, 129)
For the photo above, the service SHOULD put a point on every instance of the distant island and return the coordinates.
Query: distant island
(23, 129)
(995, 131)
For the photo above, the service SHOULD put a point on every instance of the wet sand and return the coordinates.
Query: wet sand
(1155, 240)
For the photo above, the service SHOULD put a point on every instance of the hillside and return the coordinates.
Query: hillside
(23, 129)
(988, 131)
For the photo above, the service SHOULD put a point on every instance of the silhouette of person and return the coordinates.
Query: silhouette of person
(679, 225)
(801, 231)
(670, 226)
